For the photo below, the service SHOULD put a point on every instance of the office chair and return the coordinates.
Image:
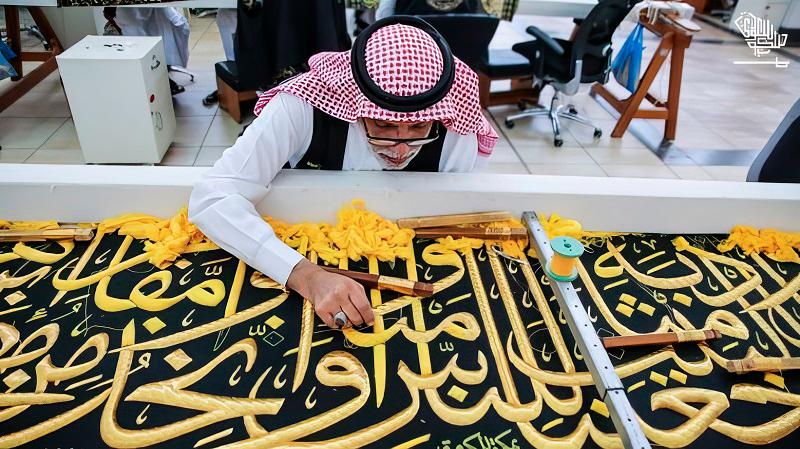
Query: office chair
(566, 64)
(779, 161)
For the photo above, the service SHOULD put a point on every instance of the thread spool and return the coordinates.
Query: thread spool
(566, 251)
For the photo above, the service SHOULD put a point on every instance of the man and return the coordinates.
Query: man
(398, 100)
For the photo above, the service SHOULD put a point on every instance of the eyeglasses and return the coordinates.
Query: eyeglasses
(413, 142)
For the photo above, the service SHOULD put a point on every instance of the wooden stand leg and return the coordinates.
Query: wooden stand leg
(633, 102)
(12, 29)
(673, 97)
(47, 31)
(24, 83)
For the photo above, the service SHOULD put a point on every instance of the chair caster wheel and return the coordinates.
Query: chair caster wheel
(522, 105)
(558, 142)
(509, 123)
(598, 133)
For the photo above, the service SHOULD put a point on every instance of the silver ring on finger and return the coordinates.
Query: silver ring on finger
(340, 319)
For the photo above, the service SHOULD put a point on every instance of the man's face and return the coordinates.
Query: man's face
(396, 156)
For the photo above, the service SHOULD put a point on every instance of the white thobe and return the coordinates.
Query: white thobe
(168, 23)
(226, 22)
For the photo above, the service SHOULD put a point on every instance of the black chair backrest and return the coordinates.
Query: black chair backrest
(779, 161)
(467, 34)
(593, 39)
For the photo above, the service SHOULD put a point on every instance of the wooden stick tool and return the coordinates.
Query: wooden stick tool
(80, 234)
(501, 233)
(452, 220)
(762, 364)
(400, 285)
(661, 338)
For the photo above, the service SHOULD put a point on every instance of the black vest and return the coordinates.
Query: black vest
(329, 138)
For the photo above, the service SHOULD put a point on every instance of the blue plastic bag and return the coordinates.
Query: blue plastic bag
(628, 62)
(6, 69)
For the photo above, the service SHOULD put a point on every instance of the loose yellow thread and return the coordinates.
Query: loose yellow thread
(777, 245)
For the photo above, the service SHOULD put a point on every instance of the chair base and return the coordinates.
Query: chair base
(174, 68)
(556, 112)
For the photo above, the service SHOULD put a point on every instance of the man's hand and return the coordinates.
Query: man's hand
(331, 293)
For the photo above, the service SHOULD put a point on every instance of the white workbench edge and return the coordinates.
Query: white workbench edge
(88, 193)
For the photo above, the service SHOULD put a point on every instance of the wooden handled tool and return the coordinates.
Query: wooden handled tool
(405, 286)
(742, 366)
(452, 220)
(502, 233)
(47, 234)
(661, 338)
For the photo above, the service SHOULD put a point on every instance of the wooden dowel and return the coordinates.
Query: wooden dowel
(452, 220)
(80, 234)
(661, 338)
(503, 233)
(764, 364)
(400, 285)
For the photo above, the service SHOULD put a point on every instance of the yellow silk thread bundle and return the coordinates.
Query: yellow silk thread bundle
(166, 239)
(777, 245)
(358, 233)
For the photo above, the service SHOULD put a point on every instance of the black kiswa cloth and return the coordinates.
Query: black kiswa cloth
(280, 36)
(642, 252)
(276, 332)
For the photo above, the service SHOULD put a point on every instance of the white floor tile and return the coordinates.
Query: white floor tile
(15, 155)
(184, 156)
(553, 155)
(639, 171)
(511, 169)
(208, 156)
(503, 154)
(567, 170)
(72, 157)
(40, 103)
(65, 138)
(584, 135)
(727, 173)
(27, 132)
(627, 156)
(191, 131)
(190, 104)
(693, 172)
(223, 131)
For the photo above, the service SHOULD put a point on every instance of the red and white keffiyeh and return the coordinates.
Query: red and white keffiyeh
(402, 60)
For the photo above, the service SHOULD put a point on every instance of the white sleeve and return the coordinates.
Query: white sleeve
(459, 152)
(223, 202)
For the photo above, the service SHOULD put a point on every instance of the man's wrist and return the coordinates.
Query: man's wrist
(300, 275)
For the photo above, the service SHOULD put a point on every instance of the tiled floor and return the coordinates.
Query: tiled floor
(723, 107)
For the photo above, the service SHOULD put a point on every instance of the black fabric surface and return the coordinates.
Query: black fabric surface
(77, 323)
